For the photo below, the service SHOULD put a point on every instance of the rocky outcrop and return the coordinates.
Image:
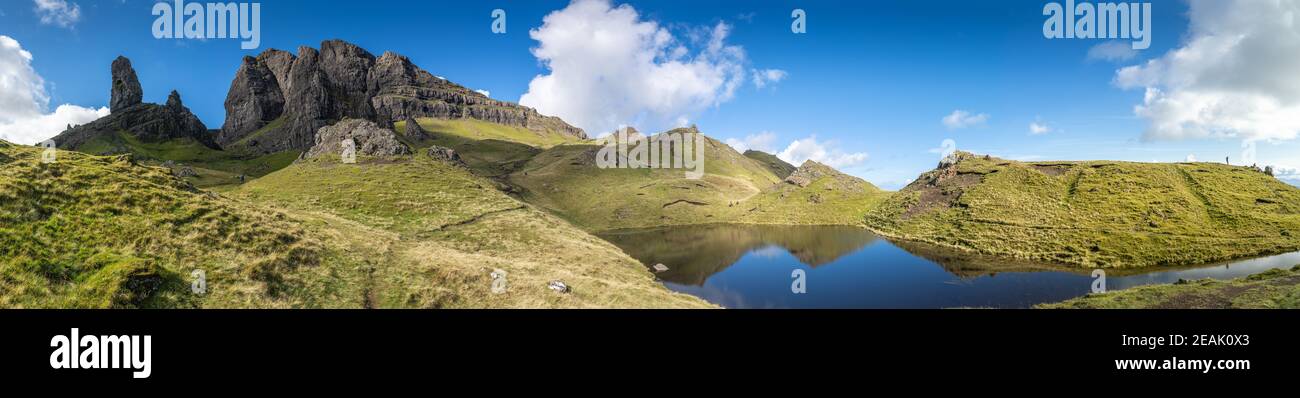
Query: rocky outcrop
(414, 131)
(146, 122)
(126, 90)
(341, 81)
(255, 100)
(810, 172)
(279, 63)
(367, 137)
(444, 154)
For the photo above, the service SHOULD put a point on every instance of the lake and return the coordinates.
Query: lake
(747, 266)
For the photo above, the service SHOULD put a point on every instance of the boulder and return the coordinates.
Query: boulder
(444, 154)
(370, 140)
(414, 131)
(559, 286)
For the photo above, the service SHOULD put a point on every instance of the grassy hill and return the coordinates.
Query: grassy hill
(1277, 288)
(813, 194)
(489, 149)
(565, 180)
(1096, 213)
(211, 168)
(774, 164)
(108, 232)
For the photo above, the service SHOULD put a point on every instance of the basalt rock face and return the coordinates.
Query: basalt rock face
(255, 100)
(346, 68)
(368, 139)
(341, 81)
(126, 87)
(146, 122)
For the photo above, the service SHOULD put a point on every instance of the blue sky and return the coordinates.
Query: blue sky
(869, 77)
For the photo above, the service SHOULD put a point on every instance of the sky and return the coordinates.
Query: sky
(879, 89)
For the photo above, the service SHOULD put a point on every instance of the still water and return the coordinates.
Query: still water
(742, 266)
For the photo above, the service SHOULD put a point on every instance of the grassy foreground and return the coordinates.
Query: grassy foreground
(1277, 288)
(108, 232)
(1096, 214)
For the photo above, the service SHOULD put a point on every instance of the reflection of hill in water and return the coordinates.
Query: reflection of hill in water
(968, 265)
(693, 253)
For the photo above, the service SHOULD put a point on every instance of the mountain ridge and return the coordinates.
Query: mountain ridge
(316, 88)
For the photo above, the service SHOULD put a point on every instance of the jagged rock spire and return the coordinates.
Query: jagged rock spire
(126, 87)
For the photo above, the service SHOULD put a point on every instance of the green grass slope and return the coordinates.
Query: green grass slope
(109, 232)
(433, 233)
(1098, 213)
(774, 164)
(212, 168)
(489, 149)
(106, 232)
(1273, 289)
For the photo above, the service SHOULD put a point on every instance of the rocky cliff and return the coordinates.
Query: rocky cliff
(147, 122)
(278, 101)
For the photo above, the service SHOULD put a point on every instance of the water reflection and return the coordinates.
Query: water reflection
(745, 266)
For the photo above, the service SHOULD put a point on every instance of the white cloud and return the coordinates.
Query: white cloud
(58, 12)
(1235, 76)
(484, 92)
(962, 119)
(809, 149)
(1037, 128)
(1190, 158)
(609, 67)
(764, 77)
(1113, 50)
(23, 100)
(1287, 173)
(759, 142)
